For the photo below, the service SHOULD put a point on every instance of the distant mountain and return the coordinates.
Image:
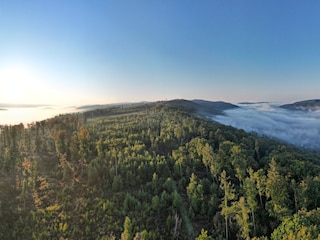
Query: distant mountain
(217, 105)
(202, 107)
(308, 105)
(109, 105)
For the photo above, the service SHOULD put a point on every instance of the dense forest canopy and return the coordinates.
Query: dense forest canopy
(153, 171)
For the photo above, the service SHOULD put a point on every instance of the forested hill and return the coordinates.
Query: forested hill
(155, 171)
(201, 107)
(308, 105)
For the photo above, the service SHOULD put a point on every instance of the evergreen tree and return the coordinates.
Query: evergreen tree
(127, 233)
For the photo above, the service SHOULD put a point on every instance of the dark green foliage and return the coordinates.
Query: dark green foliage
(154, 171)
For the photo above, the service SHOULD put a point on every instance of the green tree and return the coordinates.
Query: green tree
(260, 179)
(177, 201)
(239, 162)
(250, 192)
(310, 192)
(203, 235)
(195, 193)
(303, 225)
(127, 233)
(229, 194)
(277, 192)
(242, 217)
(84, 142)
(297, 194)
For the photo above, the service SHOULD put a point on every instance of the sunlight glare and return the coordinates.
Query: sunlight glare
(19, 84)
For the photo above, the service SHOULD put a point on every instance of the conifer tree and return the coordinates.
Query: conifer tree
(127, 233)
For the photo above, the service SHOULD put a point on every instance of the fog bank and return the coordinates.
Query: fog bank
(16, 114)
(300, 128)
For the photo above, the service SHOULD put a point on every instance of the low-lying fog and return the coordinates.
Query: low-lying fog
(300, 128)
(16, 114)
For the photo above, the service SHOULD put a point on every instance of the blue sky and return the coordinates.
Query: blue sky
(83, 52)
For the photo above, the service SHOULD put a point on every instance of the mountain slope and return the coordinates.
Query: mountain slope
(202, 107)
(156, 171)
(217, 106)
(308, 105)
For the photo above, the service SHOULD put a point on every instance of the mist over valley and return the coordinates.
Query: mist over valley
(300, 128)
(13, 114)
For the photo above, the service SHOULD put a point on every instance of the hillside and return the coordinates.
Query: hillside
(308, 105)
(209, 107)
(213, 107)
(152, 171)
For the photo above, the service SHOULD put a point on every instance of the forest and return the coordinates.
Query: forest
(153, 171)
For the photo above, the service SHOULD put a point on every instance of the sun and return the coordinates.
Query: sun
(19, 84)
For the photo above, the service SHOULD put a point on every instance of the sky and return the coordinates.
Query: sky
(95, 52)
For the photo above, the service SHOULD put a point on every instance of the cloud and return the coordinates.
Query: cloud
(295, 127)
